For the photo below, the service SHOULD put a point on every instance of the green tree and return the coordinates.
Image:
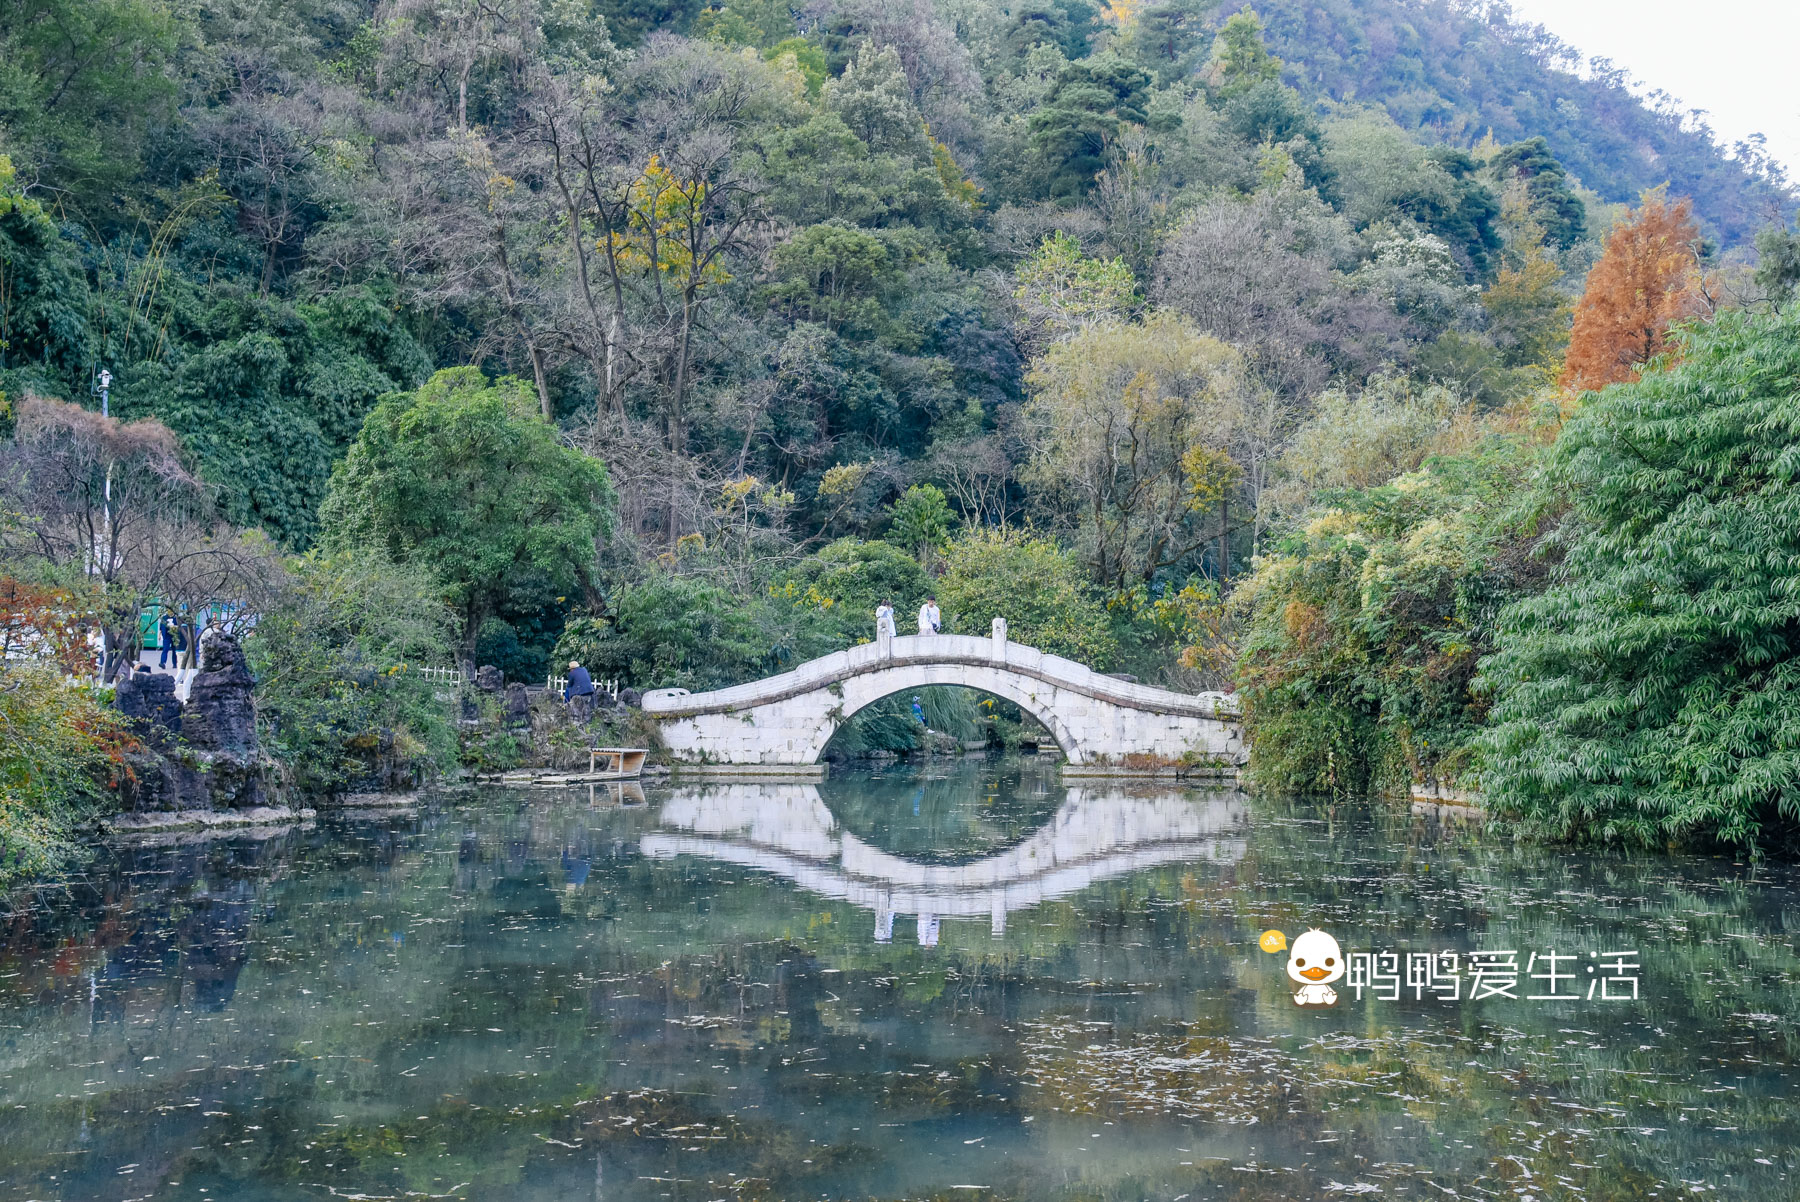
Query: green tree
(1364, 439)
(808, 60)
(43, 323)
(1035, 585)
(1059, 290)
(269, 395)
(1468, 218)
(670, 631)
(1129, 425)
(84, 83)
(872, 97)
(839, 588)
(1240, 61)
(1777, 262)
(1528, 312)
(1168, 36)
(1063, 24)
(1089, 104)
(1367, 620)
(920, 521)
(1652, 693)
(758, 23)
(1552, 198)
(832, 273)
(1385, 175)
(465, 478)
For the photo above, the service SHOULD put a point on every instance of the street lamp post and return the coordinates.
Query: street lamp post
(103, 386)
(103, 553)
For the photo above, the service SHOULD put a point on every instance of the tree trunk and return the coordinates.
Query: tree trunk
(607, 330)
(537, 373)
(471, 634)
(677, 427)
(1224, 542)
(512, 306)
(678, 424)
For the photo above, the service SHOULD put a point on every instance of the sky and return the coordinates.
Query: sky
(1733, 58)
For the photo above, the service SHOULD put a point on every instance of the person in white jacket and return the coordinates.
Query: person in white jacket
(930, 621)
(884, 619)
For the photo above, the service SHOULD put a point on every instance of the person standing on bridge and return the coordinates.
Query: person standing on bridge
(884, 619)
(930, 621)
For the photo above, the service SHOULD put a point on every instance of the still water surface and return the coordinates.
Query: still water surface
(963, 983)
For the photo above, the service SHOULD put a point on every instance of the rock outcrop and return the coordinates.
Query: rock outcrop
(518, 705)
(148, 700)
(203, 755)
(220, 714)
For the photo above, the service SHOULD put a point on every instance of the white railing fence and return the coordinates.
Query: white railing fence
(556, 684)
(453, 678)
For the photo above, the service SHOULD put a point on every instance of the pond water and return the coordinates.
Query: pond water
(967, 983)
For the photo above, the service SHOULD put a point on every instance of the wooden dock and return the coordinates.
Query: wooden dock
(604, 764)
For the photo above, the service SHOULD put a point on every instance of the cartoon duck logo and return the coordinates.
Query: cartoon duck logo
(1314, 961)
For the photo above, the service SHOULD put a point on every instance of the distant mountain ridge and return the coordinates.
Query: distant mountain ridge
(1457, 69)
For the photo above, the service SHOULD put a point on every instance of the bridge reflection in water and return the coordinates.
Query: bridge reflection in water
(1098, 832)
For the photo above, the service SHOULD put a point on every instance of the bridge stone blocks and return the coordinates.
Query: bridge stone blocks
(1098, 721)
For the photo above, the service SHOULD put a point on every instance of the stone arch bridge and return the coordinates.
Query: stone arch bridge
(1097, 720)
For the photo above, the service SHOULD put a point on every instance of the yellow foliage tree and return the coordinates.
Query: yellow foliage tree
(663, 210)
(1130, 423)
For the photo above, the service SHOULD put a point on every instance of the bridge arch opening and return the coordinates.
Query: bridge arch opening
(1000, 685)
(932, 716)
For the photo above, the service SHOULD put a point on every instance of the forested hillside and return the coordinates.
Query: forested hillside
(1466, 70)
(677, 337)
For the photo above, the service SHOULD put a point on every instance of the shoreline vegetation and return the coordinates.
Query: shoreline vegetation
(673, 340)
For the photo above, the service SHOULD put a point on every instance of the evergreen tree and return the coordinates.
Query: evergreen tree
(1553, 199)
(1652, 693)
(463, 478)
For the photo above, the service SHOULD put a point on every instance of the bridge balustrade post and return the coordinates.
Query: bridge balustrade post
(1000, 639)
(884, 644)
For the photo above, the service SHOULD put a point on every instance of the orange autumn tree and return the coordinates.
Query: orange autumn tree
(1648, 279)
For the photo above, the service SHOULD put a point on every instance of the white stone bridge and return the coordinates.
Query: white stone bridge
(1097, 833)
(1097, 720)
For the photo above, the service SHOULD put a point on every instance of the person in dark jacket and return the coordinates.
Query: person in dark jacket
(165, 635)
(580, 683)
(182, 658)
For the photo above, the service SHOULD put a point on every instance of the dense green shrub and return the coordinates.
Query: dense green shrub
(671, 631)
(1039, 589)
(1366, 623)
(59, 755)
(337, 658)
(1653, 692)
(840, 587)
